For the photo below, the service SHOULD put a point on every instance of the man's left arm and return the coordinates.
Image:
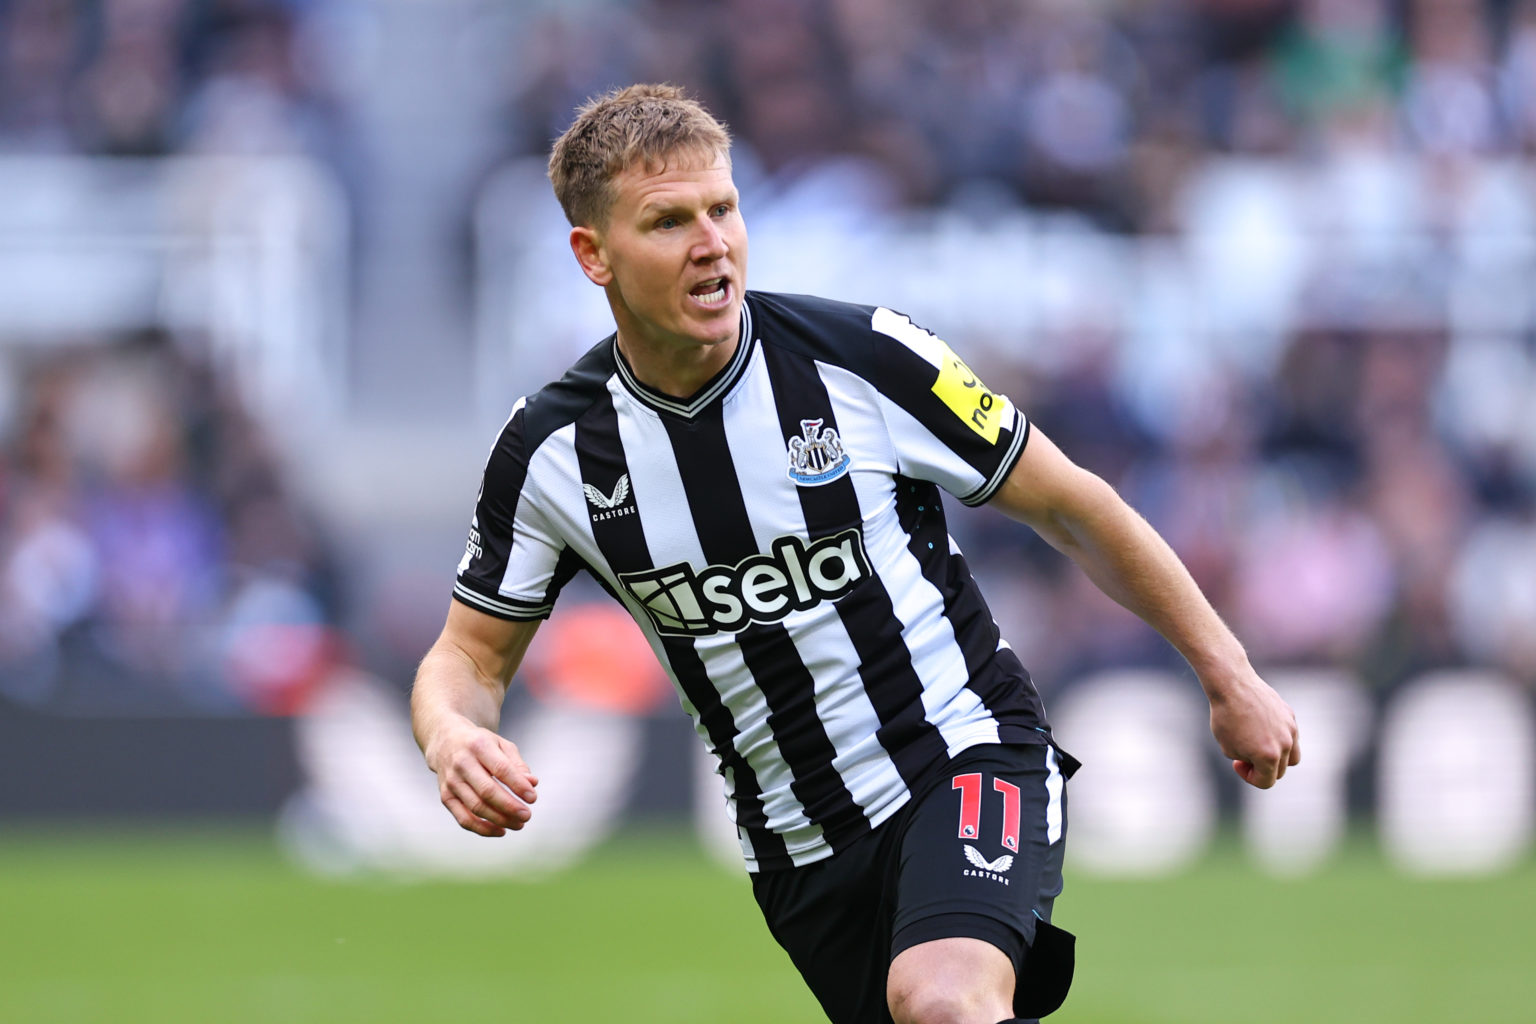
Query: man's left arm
(1084, 518)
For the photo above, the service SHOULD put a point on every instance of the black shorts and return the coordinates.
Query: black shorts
(977, 853)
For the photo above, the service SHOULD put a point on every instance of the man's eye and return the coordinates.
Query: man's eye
(722, 209)
(667, 223)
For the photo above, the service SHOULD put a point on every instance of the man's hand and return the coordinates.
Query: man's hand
(482, 779)
(456, 702)
(1255, 728)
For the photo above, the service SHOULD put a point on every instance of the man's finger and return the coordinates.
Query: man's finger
(1267, 772)
(495, 792)
(515, 774)
(469, 822)
(501, 759)
(485, 797)
(1253, 774)
(521, 767)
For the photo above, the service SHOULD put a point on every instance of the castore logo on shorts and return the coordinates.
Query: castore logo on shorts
(983, 868)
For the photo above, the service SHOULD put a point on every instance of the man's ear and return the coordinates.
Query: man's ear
(587, 244)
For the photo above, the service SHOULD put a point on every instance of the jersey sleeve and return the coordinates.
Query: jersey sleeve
(946, 425)
(514, 564)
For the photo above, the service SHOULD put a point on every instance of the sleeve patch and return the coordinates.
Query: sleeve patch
(968, 398)
(982, 410)
(472, 547)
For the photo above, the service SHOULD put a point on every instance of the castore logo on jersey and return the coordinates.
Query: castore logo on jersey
(818, 457)
(794, 576)
(609, 504)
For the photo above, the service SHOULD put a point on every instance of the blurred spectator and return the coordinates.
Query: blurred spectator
(1517, 77)
(39, 41)
(1314, 578)
(1449, 103)
(157, 537)
(1493, 596)
(1339, 59)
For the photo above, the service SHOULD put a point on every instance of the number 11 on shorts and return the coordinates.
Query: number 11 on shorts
(970, 808)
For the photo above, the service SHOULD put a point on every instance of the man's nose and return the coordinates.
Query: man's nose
(710, 244)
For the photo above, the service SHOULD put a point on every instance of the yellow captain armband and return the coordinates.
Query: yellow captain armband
(968, 398)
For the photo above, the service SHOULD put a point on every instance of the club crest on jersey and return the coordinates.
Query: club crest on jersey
(608, 506)
(817, 457)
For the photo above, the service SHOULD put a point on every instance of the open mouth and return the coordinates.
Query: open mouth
(713, 293)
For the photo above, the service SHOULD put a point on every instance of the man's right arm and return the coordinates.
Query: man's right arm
(455, 710)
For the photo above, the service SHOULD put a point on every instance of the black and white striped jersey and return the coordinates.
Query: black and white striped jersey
(779, 538)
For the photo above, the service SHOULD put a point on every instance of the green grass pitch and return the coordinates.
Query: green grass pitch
(116, 928)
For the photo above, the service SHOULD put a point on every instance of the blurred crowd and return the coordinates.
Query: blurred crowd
(159, 77)
(1350, 473)
(153, 558)
(1092, 106)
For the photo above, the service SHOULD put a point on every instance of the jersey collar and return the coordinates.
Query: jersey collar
(717, 385)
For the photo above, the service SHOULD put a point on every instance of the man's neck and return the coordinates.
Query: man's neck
(676, 372)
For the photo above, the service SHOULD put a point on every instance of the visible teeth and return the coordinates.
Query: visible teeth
(709, 298)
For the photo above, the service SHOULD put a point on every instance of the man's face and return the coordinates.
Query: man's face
(673, 255)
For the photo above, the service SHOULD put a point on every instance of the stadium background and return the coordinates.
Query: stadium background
(272, 271)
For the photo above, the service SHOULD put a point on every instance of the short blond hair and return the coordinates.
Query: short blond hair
(637, 125)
